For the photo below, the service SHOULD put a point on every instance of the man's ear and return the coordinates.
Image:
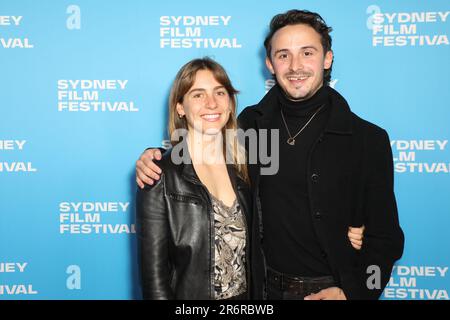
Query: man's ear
(328, 60)
(269, 65)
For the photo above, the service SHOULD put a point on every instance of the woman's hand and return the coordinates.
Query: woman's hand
(356, 235)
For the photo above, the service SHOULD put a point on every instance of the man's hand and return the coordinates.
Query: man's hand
(333, 293)
(356, 235)
(146, 170)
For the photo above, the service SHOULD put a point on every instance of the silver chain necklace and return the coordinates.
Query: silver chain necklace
(291, 139)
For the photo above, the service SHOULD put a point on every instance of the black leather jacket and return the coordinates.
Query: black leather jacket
(175, 229)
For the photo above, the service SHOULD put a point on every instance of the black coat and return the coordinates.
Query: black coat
(175, 230)
(350, 183)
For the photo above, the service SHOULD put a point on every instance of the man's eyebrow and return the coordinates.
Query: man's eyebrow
(310, 47)
(280, 50)
(302, 48)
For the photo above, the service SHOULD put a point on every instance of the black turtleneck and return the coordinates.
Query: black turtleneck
(290, 243)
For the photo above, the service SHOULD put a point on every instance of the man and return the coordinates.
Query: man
(335, 171)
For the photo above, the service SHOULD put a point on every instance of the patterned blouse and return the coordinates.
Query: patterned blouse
(230, 241)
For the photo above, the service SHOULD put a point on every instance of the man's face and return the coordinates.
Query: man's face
(297, 60)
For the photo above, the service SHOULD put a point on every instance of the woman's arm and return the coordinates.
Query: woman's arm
(153, 242)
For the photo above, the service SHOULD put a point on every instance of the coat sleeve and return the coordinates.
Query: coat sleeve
(383, 237)
(243, 119)
(152, 229)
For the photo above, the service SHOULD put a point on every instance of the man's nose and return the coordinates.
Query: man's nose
(296, 64)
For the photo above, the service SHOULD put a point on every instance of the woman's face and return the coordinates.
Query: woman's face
(206, 105)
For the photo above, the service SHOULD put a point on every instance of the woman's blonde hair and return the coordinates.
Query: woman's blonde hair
(184, 81)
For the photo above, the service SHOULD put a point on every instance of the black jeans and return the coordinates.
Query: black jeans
(281, 286)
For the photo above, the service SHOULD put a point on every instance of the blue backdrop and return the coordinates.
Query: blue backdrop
(84, 87)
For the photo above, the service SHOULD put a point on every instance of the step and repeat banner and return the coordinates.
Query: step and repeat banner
(84, 87)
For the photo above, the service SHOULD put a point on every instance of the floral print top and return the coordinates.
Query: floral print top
(230, 241)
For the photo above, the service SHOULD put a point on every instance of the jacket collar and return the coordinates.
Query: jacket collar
(188, 171)
(339, 122)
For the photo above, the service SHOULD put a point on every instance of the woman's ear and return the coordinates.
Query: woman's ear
(180, 110)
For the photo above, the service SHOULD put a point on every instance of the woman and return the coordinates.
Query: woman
(193, 223)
